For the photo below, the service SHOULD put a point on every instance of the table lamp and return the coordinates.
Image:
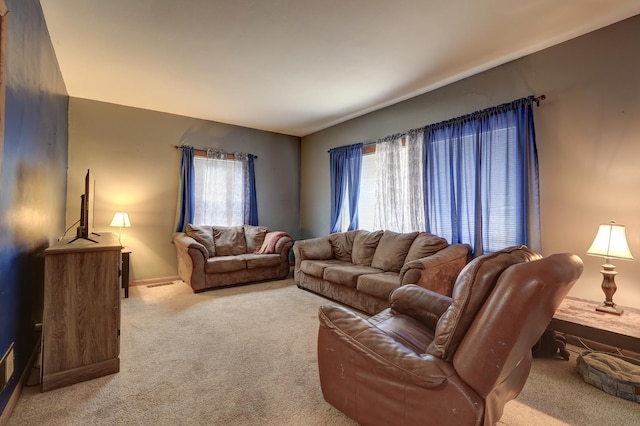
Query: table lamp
(610, 243)
(121, 220)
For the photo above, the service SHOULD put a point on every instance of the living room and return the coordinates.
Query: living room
(587, 131)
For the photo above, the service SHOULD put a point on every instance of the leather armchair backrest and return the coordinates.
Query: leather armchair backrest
(470, 292)
(518, 310)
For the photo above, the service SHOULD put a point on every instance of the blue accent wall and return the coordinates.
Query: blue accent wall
(34, 178)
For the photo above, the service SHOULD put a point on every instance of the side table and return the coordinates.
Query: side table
(125, 270)
(578, 317)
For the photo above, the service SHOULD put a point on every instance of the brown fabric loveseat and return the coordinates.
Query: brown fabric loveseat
(362, 268)
(218, 256)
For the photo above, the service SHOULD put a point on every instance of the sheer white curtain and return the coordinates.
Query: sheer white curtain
(399, 184)
(218, 198)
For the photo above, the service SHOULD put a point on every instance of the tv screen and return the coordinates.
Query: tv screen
(87, 204)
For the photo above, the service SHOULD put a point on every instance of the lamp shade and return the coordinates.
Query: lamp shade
(120, 219)
(610, 242)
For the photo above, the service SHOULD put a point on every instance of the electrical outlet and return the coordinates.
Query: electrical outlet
(9, 365)
(6, 368)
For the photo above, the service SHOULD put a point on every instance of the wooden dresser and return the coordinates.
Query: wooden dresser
(81, 321)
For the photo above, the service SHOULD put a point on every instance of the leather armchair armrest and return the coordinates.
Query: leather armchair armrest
(380, 350)
(439, 271)
(419, 303)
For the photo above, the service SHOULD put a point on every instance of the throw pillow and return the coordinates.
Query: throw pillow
(342, 244)
(392, 250)
(364, 246)
(203, 235)
(229, 240)
(424, 245)
(254, 236)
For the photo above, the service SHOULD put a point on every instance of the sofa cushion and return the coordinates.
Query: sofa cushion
(254, 237)
(316, 268)
(347, 275)
(203, 235)
(364, 247)
(391, 251)
(261, 260)
(342, 244)
(379, 285)
(425, 244)
(220, 264)
(229, 240)
(470, 291)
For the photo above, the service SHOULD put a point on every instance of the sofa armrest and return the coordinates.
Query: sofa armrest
(342, 331)
(313, 248)
(419, 303)
(182, 239)
(439, 271)
(192, 257)
(283, 246)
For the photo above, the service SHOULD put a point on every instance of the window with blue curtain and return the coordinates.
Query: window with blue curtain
(481, 178)
(216, 188)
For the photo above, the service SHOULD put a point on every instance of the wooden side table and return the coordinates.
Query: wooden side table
(578, 317)
(125, 271)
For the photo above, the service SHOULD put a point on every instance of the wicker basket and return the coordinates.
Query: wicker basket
(615, 374)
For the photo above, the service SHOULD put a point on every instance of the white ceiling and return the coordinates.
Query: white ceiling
(298, 66)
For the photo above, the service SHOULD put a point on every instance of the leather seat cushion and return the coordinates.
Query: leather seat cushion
(405, 330)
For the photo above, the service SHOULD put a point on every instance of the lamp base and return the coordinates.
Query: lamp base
(610, 309)
(609, 288)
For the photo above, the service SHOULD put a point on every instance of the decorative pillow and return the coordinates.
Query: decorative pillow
(342, 244)
(392, 250)
(364, 246)
(270, 241)
(254, 236)
(424, 245)
(203, 235)
(229, 240)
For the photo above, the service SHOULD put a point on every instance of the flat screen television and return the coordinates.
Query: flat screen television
(87, 203)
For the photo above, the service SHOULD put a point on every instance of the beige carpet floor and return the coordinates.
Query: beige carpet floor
(247, 356)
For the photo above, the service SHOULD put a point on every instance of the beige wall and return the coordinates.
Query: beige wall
(588, 134)
(131, 153)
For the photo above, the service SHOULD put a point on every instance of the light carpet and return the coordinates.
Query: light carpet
(247, 356)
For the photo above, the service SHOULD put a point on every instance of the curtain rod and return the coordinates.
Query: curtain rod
(204, 149)
(536, 99)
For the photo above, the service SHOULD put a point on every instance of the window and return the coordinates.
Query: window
(366, 201)
(472, 179)
(219, 191)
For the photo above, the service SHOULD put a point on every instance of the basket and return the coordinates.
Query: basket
(615, 374)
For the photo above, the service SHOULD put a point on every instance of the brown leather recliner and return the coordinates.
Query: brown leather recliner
(434, 360)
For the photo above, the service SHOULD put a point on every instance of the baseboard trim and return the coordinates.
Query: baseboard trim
(17, 391)
(153, 281)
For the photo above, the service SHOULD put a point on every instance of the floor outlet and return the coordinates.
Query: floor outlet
(9, 364)
(6, 368)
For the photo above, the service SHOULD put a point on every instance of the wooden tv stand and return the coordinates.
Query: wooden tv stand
(81, 320)
(578, 317)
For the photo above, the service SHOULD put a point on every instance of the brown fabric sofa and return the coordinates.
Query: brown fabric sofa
(438, 360)
(217, 256)
(362, 268)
